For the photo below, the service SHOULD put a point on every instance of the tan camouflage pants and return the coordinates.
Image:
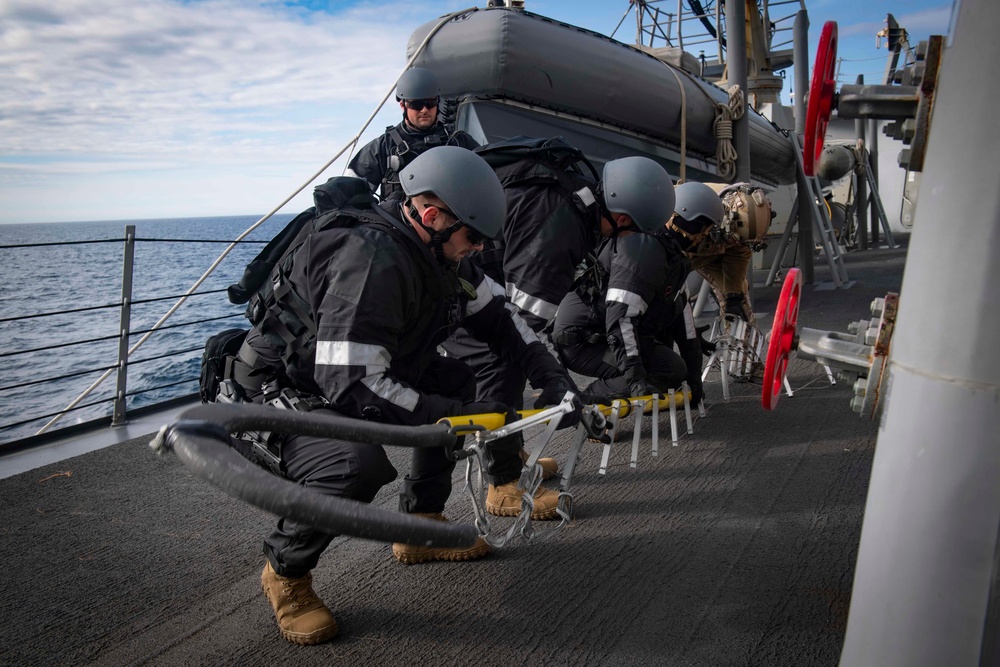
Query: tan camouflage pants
(725, 269)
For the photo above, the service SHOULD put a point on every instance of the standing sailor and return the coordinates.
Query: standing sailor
(380, 161)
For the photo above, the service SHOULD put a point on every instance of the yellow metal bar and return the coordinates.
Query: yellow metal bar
(490, 421)
(493, 421)
(664, 403)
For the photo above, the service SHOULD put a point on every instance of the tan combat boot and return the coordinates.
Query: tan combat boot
(411, 554)
(549, 466)
(302, 616)
(505, 500)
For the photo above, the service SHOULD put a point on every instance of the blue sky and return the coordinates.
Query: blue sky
(136, 109)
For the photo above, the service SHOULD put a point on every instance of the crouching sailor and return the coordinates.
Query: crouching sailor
(623, 331)
(357, 331)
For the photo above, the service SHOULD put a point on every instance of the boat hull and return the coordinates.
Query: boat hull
(574, 78)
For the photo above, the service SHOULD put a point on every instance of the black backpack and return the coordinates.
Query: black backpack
(522, 162)
(216, 361)
(342, 200)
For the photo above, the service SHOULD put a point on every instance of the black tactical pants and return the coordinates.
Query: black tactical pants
(427, 487)
(665, 369)
(498, 381)
(331, 467)
(357, 471)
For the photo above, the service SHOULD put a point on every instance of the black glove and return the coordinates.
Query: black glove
(638, 384)
(642, 388)
(734, 306)
(552, 394)
(707, 347)
(589, 398)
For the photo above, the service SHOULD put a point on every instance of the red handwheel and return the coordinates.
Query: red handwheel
(820, 103)
(786, 316)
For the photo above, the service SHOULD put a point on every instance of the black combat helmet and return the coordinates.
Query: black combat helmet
(641, 189)
(464, 182)
(418, 83)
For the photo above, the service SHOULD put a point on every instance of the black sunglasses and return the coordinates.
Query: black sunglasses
(420, 105)
(475, 236)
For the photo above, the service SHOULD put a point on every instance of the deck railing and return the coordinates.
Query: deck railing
(15, 435)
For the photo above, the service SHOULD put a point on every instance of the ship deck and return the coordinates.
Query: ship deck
(736, 547)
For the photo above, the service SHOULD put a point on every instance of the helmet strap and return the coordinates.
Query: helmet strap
(603, 212)
(617, 229)
(437, 237)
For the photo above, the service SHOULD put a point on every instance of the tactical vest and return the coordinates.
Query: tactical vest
(403, 152)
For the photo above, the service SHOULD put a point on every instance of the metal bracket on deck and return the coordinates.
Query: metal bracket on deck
(592, 424)
(639, 405)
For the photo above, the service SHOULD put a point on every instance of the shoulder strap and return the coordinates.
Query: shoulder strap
(397, 140)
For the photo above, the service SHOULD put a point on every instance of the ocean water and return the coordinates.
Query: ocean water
(56, 278)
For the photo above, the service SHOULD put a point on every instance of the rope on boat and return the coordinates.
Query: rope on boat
(225, 253)
(723, 132)
(725, 114)
(684, 126)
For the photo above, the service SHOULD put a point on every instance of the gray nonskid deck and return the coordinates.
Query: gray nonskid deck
(735, 548)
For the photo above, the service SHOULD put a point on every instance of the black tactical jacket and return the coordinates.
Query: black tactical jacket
(643, 301)
(545, 238)
(382, 303)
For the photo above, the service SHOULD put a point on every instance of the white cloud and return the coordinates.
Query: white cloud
(95, 88)
(115, 77)
(166, 108)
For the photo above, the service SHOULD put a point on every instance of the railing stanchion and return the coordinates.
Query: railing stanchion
(121, 389)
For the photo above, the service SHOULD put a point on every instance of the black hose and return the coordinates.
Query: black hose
(202, 445)
(239, 417)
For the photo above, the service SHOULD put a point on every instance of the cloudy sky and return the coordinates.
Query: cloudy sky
(136, 109)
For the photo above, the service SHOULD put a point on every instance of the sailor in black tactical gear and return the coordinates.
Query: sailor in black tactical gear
(380, 162)
(381, 295)
(549, 232)
(624, 336)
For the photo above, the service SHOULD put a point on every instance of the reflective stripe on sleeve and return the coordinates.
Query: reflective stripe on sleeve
(689, 328)
(484, 294)
(636, 304)
(628, 339)
(346, 353)
(385, 388)
(527, 334)
(532, 304)
(375, 360)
